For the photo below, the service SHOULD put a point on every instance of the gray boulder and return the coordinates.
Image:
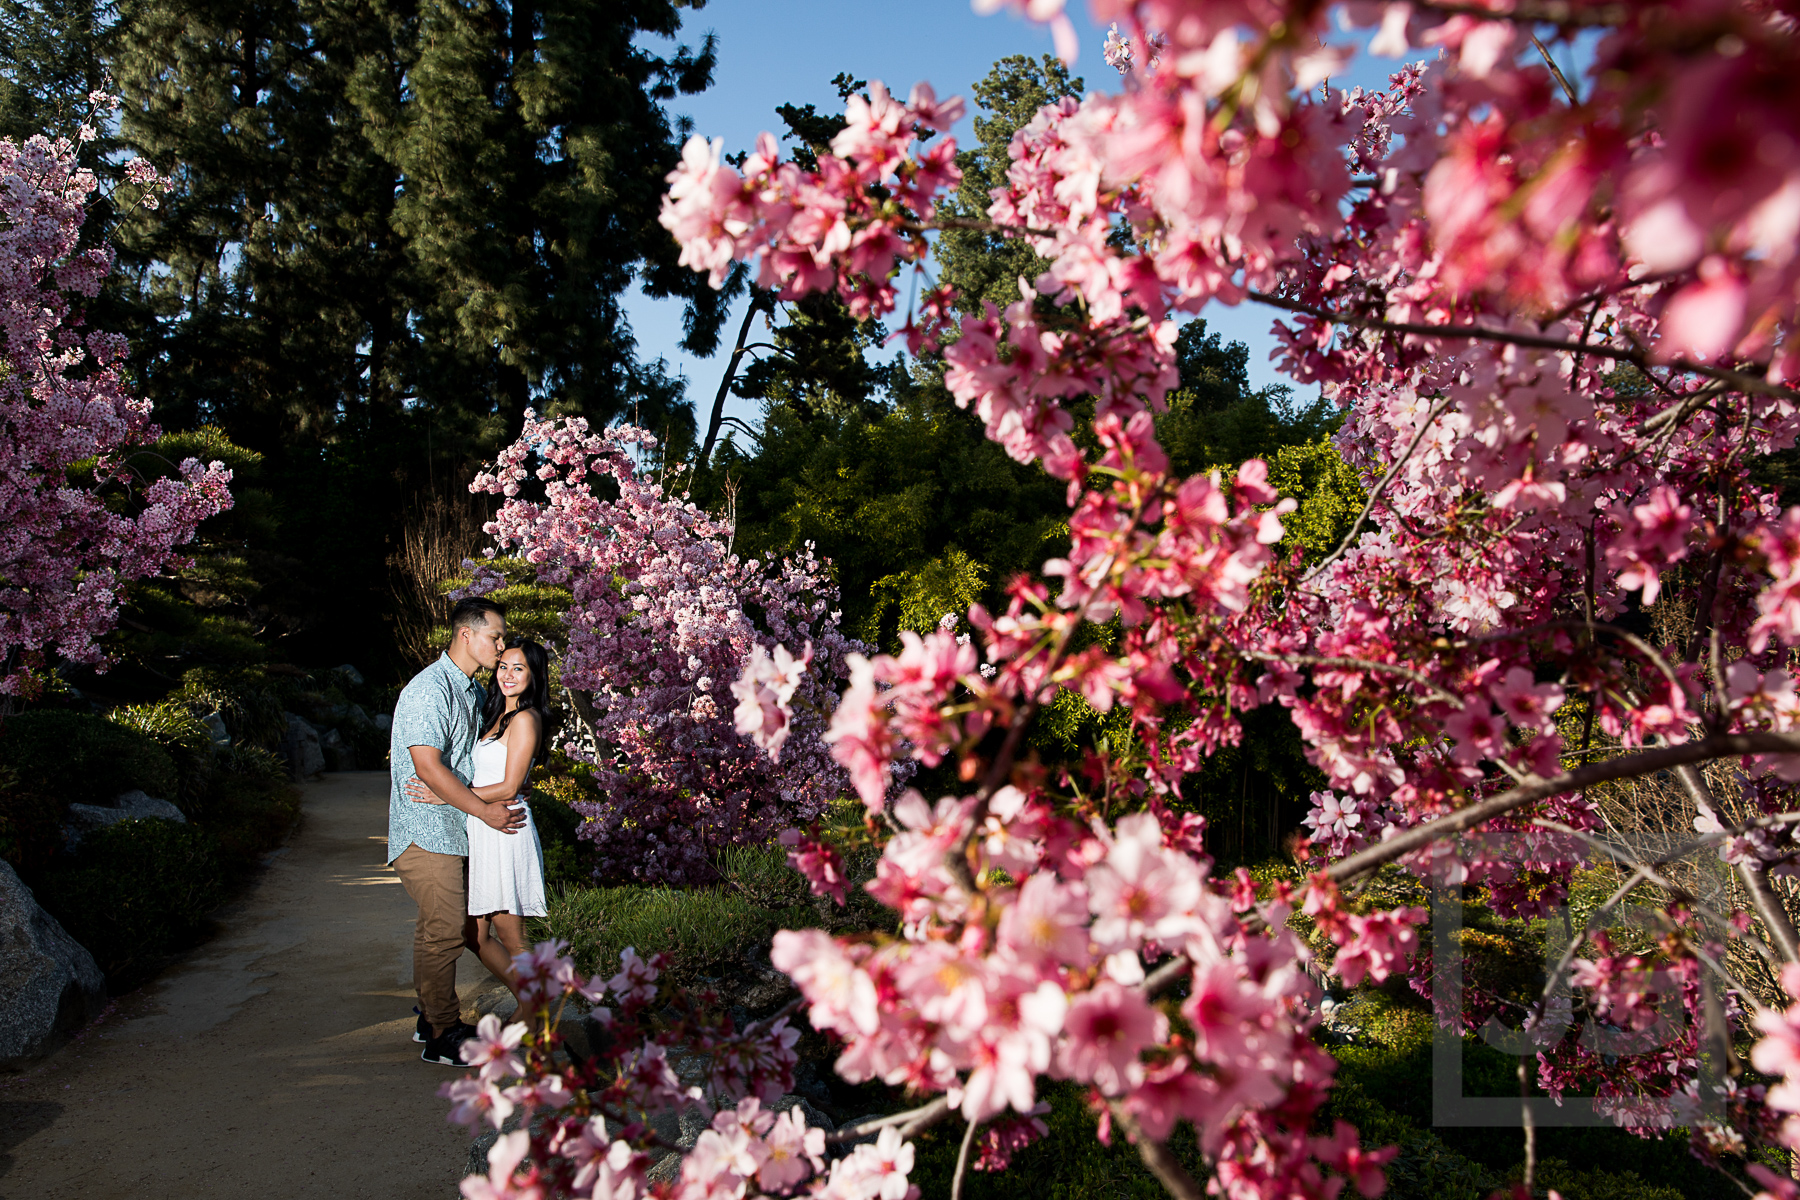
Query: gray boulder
(49, 985)
(305, 754)
(84, 819)
(351, 675)
(340, 755)
(383, 722)
(215, 728)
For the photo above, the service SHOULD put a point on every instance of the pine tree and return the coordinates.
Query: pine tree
(532, 150)
(982, 266)
(51, 56)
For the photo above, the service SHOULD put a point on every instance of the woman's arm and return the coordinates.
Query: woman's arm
(521, 748)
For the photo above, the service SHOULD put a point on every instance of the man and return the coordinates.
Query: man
(436, 724)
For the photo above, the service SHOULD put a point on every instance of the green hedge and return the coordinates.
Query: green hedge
(84, 758)
(137, 892)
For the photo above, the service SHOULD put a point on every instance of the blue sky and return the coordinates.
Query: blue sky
(773, 52)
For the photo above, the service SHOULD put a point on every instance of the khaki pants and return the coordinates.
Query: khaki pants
(438, 884)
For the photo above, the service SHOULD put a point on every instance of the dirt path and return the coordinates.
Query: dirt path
(277, 1061)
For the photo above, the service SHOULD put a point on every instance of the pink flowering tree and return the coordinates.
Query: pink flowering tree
(1558, 311)
(80, 516)
(661, 620)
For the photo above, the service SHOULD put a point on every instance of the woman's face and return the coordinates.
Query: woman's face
(513, 674)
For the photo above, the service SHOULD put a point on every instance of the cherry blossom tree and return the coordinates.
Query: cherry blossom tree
(81, 517)
(1558, 312)
(661, 619)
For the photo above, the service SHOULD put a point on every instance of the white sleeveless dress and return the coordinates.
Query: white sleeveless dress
(506, 870)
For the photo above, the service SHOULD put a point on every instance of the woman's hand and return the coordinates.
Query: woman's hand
(418, 793)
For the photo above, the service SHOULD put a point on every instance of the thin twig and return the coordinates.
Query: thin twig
(962, 1161)
(1569, 91)
(1369, 505)
(912, 1120)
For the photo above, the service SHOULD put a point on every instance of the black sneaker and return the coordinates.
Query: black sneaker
(421, 1030)
(443, 1049)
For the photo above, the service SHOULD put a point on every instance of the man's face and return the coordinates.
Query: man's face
(487, 641)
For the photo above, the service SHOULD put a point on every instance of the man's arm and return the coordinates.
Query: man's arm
(428, 763)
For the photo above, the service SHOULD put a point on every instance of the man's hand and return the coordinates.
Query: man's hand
(504, 817)
(439, 784)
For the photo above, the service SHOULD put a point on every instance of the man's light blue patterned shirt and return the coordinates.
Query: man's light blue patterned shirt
(441, 707)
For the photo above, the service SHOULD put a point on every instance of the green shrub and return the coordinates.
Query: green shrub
(249, 704)
(564, 856)
(84, 758)
(181, 734)
(30, 826)
(250, 811)
(135, 893)
(252, 761)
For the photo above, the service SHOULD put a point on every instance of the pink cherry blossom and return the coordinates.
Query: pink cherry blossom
(1107, 1028)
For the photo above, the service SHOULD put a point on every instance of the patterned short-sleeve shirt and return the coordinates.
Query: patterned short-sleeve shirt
(441, 707)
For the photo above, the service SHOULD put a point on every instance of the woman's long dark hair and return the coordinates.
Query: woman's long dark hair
(536, 696)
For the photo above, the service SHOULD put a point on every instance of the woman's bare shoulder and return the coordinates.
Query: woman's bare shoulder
(525, 723)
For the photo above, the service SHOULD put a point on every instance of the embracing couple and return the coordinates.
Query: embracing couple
(459, 830)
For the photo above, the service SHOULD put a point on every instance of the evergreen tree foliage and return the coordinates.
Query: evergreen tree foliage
(51, 56)
(985, 267)
(396, 226)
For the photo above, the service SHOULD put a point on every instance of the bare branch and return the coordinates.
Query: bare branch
(1719, 745)
(911, 1121)
(1569, 91)
(962, 1161)
(1165, 1166)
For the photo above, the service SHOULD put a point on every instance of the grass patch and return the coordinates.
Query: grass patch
(698, 929)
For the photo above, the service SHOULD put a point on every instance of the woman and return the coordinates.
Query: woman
(506, 870)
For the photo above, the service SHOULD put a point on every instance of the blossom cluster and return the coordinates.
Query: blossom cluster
(658, 628)
(585, 1126)
(80, 520)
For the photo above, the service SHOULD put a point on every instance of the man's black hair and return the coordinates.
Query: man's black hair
(473, 611)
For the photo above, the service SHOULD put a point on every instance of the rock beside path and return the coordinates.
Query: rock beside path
(84, 819)
(49, 984)
(302, 748)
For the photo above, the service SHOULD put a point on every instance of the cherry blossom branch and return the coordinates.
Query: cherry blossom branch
(1358, 664)
(962, 1160)
(1639, 867)
(1374, 495)
(1637, 358)
(1719, 745)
